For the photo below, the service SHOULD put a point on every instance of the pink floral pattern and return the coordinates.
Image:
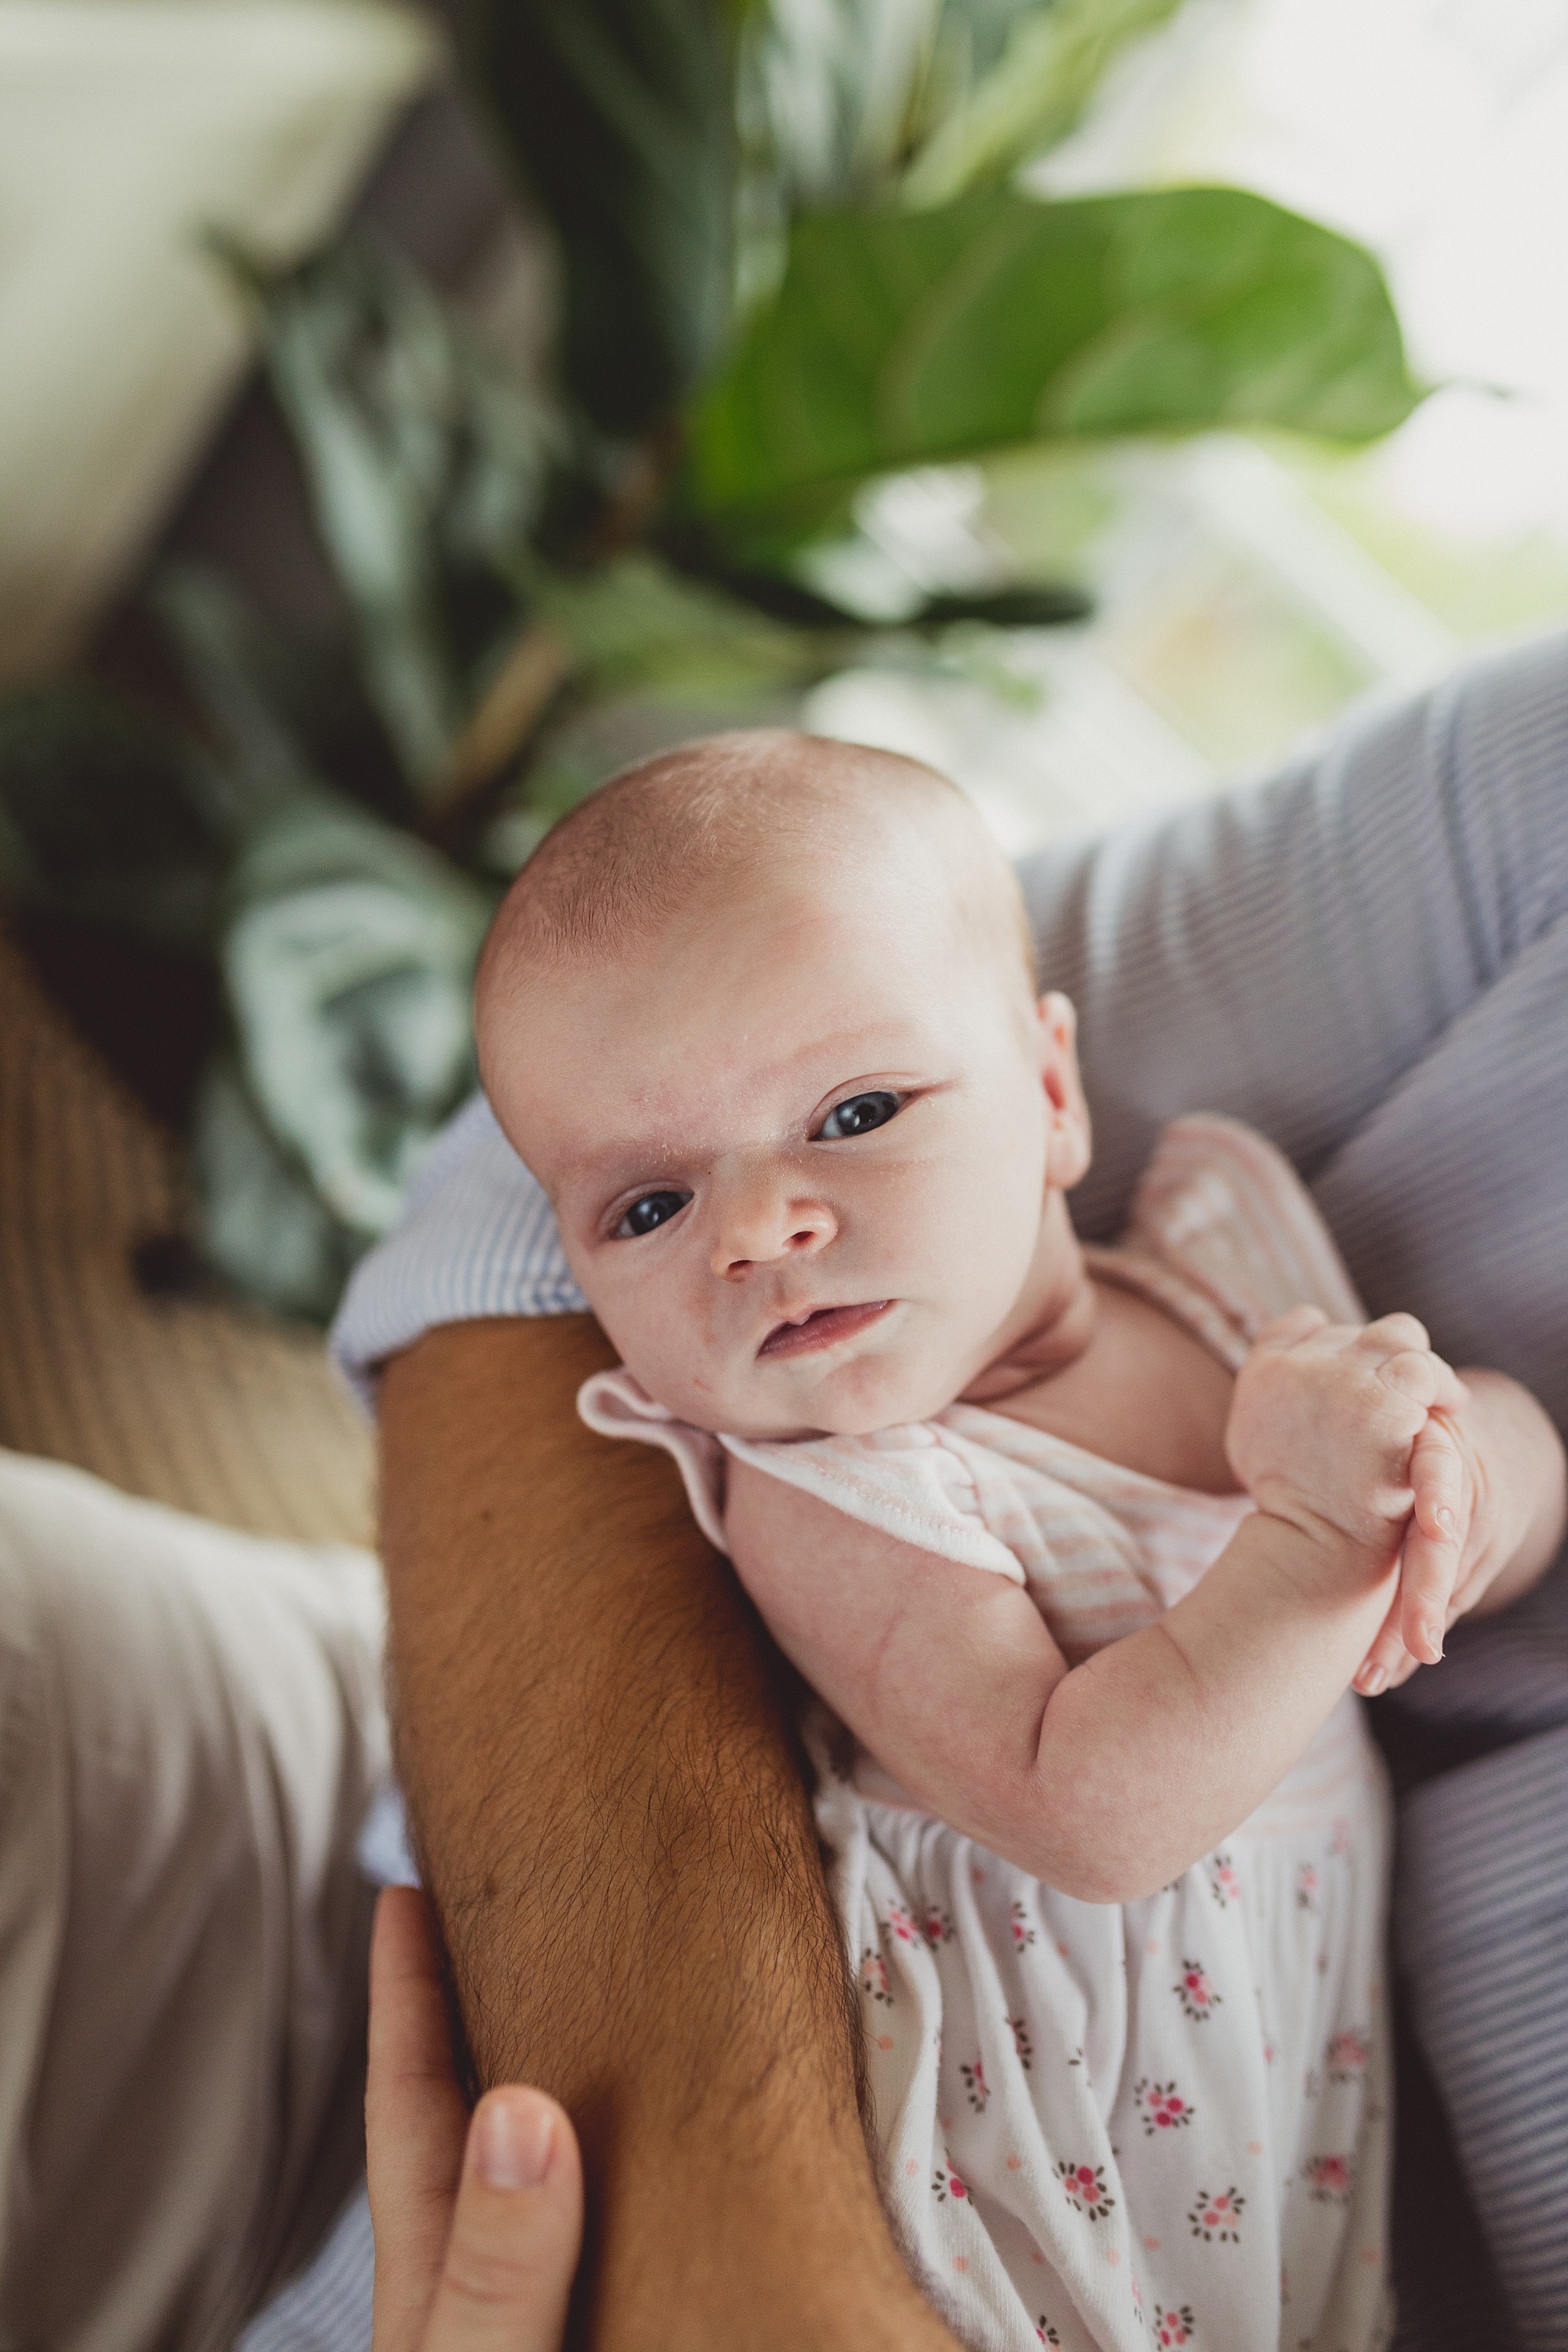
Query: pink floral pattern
(1022, 2042)
(1023, 1933)
(1224, 1885)
(936, 1926)
(1307, 1889)
(1193, 1991)
(1330, 2179)
(1217, 2219)
(1085, 2188)
(946, 2183)
(1161, 2107)
(1348, 2056)
(1045, 2331)
(900, 1924)
(1175, 2328)
(874, 1976)
(974, 2083)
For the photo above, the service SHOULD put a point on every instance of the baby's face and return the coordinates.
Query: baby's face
(799, 1152)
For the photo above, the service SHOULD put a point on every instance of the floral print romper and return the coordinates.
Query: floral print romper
(1161, 2122)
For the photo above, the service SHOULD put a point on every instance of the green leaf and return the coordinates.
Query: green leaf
(262, 1223)
(347, 950)
(899, 339)
(427, 466)
(636, 621)
(348, 961)
(836, 98)
(620, 114)
(1033, 97)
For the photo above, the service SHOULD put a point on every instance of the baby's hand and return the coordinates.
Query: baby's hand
(1339, 1427)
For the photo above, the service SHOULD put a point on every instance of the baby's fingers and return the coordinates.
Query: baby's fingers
(1433, 1542)
(1400, 1348)
(1425, 1379)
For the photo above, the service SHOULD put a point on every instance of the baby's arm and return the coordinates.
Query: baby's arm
(1109, 1778)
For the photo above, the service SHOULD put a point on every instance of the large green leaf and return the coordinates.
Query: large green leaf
(621, 115)
(899, 339)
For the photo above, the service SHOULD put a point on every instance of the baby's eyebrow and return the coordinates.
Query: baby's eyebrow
(853, 1057)
(602, 1170)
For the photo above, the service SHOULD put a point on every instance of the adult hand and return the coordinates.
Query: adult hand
(479, 2221)
(1498, 1463)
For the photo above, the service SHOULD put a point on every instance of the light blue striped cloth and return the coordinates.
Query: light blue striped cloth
(1367, 958)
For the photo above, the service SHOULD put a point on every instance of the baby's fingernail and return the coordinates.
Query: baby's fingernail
(1372, 1682)
(1434, 1638)
(511, 2141)
(1446, 1519)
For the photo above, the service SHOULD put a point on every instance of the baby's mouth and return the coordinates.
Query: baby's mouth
(820, 1327)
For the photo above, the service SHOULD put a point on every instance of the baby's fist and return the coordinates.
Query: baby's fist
(1324, 1420)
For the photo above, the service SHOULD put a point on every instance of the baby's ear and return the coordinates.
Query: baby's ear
(1070, 1141)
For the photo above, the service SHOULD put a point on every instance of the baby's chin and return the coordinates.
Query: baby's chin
(832, 1407)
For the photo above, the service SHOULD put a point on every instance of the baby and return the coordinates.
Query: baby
(1083, 1548)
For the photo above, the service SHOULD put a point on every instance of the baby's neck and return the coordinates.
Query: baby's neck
(1054, 1321)
(1112, 1372)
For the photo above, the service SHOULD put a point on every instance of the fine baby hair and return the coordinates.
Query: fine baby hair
(674, 831)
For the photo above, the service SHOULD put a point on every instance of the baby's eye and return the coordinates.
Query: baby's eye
(654, 1209)
(858, 1116)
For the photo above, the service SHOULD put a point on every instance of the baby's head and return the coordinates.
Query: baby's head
(760, 1017)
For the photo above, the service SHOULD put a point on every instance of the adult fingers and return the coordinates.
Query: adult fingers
(516, 2232)
(416, 2118)
(1433, 1542)
(1388, 1663)
(1439, 1483)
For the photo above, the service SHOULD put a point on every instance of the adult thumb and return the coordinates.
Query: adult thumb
(517, 2230)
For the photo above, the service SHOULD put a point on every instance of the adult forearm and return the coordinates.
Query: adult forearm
(611, 1817)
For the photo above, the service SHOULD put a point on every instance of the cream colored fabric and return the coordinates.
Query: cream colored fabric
(127, 127)
(191, 1728)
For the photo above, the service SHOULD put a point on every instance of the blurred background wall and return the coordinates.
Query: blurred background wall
(127, 129)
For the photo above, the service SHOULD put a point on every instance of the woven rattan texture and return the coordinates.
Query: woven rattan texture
(206, 1405)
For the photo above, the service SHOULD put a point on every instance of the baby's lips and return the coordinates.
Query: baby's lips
(821, 1326)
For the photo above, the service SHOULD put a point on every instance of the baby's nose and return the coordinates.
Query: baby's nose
(758, 1229)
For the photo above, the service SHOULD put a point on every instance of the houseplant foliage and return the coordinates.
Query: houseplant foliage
(797, 255)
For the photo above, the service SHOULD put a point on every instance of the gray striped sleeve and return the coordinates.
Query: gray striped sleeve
(329, 2306)
(477, 1238)
(1482, 1914)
